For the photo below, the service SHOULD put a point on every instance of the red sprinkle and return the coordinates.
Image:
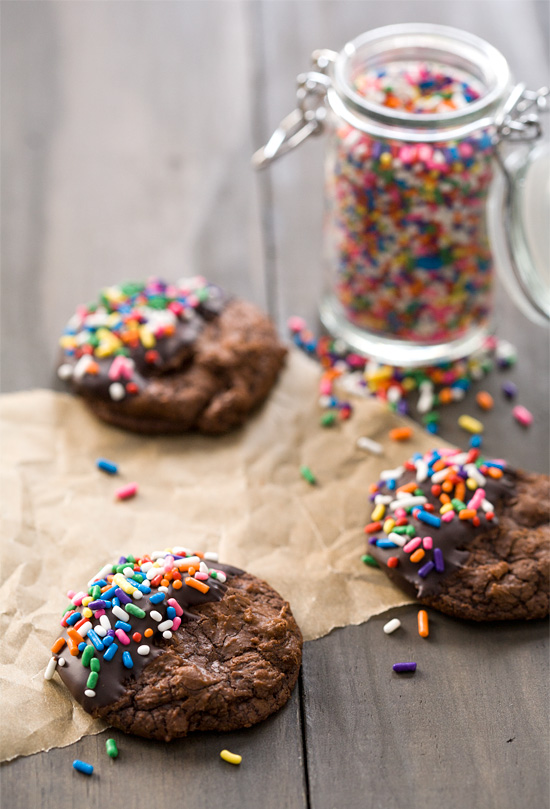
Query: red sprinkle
(490, 515)
(372, 527)
(136, 636)
(402, 521)
(436, 490)
(393, 561)
(476, 521)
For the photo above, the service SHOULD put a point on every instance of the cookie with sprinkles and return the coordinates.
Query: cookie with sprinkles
(467, 535)
(163, 358)
(168, 643)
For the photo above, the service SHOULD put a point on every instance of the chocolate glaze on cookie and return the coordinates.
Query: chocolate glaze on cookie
(166, 358)
(224, 655)
(489, 561)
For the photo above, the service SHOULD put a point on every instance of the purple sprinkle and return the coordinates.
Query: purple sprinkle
(373, 540)
(425, 569)
(509, 389)
(371, 498)
(111, 632)
(402, 407)
(122, 597)
(438, 559)
(402, 667)
(98, 605)
(122, 560)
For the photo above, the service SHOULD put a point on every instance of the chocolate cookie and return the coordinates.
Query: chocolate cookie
(164, 358)
(160, 646)
(466, 535)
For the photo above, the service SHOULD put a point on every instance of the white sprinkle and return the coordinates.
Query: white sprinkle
(458, 394)
(324, 401)
(89, 693)
(210, 556)
(152, 572)
(159, 555)
(165, 625)
(162, 589)
(369, 445)
(156, 616)
(65, 371)
(473, 472)
(105, 571)
(220, 576)
(100, 631)
(399, 539)
(82, 365)
(117, 391)
(392, 625)
(137, 594)
(190, 560)
(143, 650)
(438, 477)
(179, 549)
(146, 566)
(392, 474)
(128, 572)
(382, 499)
(84, 629)
(50, 668)
(408, 502)
(487, 506)
(61, 661)
(104, 621)
(120, 613)
(167, 634)
(421, 473)
(393, 394)
(203, 568)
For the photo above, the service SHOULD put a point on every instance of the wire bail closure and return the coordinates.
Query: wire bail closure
(309, 116)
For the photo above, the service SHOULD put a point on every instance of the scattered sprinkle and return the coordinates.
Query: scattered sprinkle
(126, 492)
(231, 758)
(391, 626)
(107, 466)
(401, 668)
(308, 475)
(83, 767)
(112, 749)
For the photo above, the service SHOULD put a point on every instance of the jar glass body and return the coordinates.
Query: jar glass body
(408, 265)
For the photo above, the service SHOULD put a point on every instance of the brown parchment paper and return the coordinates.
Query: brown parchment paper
(240, 495)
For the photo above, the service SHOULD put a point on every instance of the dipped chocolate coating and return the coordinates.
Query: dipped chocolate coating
(113, 675)
(452, 537)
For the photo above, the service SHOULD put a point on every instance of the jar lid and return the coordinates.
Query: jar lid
(519, 229)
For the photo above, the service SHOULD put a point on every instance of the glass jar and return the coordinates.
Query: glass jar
(414, 115)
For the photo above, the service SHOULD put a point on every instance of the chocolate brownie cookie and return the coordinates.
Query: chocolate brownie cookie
(166, 644)
(466, 535)
(164, 358)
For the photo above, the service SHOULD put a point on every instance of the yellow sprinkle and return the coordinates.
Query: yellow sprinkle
(123, 583)
(67, 341)
(447, 507)
(389, 525)
(408, 383)
(378, 512)
(380, 374)
(147, 337)
(232, 758)
(86, 601)
(87, 612)
(471, 484)
(470, 424)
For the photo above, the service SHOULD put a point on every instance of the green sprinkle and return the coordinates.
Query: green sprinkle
(96, 592)
(95, 664)
(418, 493)
(133, 609)
(308, 475)
(131, 558)
(213, 573)
(458, 505)
(112, 749)
(138, 577)
(369, 560)
(431, 417)
(68, 609)
(87, 655)
(328, 419)
(93, 677)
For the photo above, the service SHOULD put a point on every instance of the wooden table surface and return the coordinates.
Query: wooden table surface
(127, 131)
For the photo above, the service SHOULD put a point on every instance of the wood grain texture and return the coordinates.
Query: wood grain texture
(456, 733)
(127, 131)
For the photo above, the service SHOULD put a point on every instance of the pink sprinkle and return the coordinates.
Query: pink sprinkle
(201, 576)
(125, 492)
(71, 593)
(477, 499)
(448, 516)
(296, 324)
(99, 613)
(412, 545)
(427, 543)
(325, 388)
(175, 623)
(521, 414)
(400, 512)
(77, 599)
(173, 603)
(122, 636)
(121, 367)
(168, 563)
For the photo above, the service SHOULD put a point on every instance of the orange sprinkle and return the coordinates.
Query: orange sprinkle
(401, 433)
(58, 645)
(191, 570)
(494, 472)
(445, 396)
(177, 584)
(373, 488)
(198, 585)
(73, 647)
(74, 636)
(485, 400)
(417, 555)
(444, 498)
(148, 633)
(460, 491)
(164, 582)
(423, 629)
(200, 554)
(439, 465)
(447, 486)
(467, 513)
(408, 487)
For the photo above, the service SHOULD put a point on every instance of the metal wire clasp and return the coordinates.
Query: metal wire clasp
(307, 119)
(519, 120)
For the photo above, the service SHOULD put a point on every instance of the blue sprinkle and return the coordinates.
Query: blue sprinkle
(390, 484)
(438, 559)
(425, 569)
(170, 612)
(476, 441)
(107, 640)
(100, 583)
(385, 543)
(432, 428)
(96, 640)
(144, 588)
(429, 519)
(111, 651)
(107, 466)
(116, 602)
(108, 594)
(83, 767)
(127, 660)
(158, 598)
(74, 619)
(123, 625)
(82, 646)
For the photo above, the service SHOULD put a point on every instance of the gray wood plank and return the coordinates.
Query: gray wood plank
(188, 772)
(468, 729)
